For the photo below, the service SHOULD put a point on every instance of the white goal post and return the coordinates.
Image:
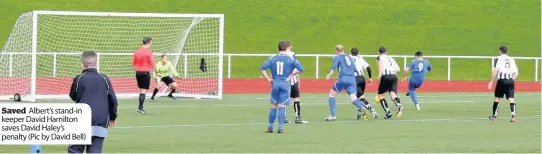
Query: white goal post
(30, 67)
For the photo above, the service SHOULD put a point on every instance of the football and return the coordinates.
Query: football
(17, 97)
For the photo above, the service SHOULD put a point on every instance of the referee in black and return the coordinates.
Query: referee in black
(94, 89)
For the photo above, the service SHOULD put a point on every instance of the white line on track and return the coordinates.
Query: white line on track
(393, 120)
(263, 103)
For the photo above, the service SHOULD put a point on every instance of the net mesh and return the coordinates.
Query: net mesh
(61, 39)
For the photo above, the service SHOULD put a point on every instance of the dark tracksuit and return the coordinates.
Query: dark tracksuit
(94, 89)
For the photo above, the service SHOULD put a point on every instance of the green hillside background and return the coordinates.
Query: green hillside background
(436, 27)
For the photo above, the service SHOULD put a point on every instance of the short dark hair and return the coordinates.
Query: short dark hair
(503, 49)
(418, 54)
(283, 45)
(146, 40)
(89, 59)
(354, 51)
(381, 50)
(163, 56)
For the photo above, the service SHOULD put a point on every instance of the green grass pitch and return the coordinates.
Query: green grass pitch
(436, 27)
(448, 122)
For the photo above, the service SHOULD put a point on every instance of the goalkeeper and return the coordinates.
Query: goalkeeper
(163, 69)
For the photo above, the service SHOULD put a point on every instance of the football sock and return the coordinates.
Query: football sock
(357, 103)
(272, 117)
(332, 106)
(495, 108)
(282, 116)
(384, 104)
(297, 109)
(285, 114)
(141, 101)
(171, 93)
(367, 105)
(397, 101)
(513, 109)
(413, 96)
(154, 92)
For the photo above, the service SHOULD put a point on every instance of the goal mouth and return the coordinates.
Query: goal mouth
(42, 54)
(125, 87)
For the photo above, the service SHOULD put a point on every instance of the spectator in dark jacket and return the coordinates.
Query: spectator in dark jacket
(94, 89)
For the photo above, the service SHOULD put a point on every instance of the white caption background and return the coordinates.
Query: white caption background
(45, 123)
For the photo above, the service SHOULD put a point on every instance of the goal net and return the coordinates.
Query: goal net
(42, 54)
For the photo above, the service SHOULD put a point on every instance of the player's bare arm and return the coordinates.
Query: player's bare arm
(405, 74)
(264, 74)
(516, 73)
(295, 72)
(369, 72)
(298, 80)
(380, 69)
(334, 66)
(329, 75)
(298, 69)
(493, 75)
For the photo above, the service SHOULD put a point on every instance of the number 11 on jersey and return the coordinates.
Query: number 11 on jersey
(280, 67)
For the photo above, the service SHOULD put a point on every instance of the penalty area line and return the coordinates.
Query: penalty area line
(320, 122)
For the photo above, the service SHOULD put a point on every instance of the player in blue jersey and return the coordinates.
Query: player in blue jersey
(346, 81)
(283, 67)
(419, 68)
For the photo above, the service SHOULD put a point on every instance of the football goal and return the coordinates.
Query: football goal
(42, 54)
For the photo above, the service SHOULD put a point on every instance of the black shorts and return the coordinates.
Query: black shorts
(167, 80)
(505, 87)
(294, 91)
(360, 84)
(143, 80)
(388, 83)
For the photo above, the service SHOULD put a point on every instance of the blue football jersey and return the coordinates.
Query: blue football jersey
(345, 64)
(419, 68)
(281, 66)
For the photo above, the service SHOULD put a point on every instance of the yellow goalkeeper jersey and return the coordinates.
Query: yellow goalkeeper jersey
(163, 70)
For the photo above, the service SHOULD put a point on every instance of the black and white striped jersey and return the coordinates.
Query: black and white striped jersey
(294, 79)
(389, 65)
(506, 67)
(361, 64)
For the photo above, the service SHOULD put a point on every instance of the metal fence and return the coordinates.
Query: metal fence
(316, 56)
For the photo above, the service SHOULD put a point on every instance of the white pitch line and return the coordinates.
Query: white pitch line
(393, 120)
(261, 104)
(191, 106)
(459, 101)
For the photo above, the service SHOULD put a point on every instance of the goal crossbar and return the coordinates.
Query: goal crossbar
(122, 14)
